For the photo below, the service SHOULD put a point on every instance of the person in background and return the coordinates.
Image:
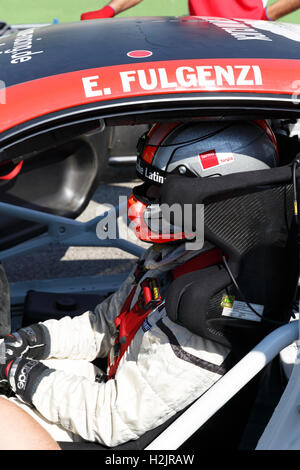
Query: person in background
(249, 9)
(110, 10)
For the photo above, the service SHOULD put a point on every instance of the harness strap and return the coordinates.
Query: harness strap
(130, 320)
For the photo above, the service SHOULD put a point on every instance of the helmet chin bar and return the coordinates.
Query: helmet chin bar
(148, 223)
(161, 227)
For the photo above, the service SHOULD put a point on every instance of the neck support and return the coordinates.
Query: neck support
(249, 217)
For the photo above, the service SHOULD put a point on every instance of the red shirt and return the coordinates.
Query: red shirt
(251, 9)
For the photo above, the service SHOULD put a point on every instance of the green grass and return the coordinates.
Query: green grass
(42, 11)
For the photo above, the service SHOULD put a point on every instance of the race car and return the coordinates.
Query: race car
(66, 89)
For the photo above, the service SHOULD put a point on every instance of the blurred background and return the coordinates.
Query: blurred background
(43, 11)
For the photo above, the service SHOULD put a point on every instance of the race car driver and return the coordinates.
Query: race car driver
(156, 367)
(249, 9)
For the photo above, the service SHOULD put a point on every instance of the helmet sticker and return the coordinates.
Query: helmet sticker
(148, 173)
(211, 159)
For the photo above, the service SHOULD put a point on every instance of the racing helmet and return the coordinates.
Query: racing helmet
(200, 149)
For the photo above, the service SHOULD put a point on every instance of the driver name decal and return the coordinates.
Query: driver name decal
(149, 78)
(156, 80)
(200, 76)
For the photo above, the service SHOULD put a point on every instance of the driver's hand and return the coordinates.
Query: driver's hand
(19, 369)
(106, 12)
(20, 376)
(29, 342)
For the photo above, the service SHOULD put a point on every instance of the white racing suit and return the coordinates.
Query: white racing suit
(164, 369)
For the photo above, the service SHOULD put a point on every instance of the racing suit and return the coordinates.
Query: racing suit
(165, 368)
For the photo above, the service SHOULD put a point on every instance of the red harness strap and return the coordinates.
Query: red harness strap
(130, 320)
(208, 258)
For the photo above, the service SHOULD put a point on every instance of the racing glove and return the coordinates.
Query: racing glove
(22, 376)
(19, 369)
(105, 12)
(30, 342)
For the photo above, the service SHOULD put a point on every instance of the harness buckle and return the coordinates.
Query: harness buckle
(150, 295)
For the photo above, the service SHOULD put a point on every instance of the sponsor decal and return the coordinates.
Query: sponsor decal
(227, 301)
(23, 375)
(146, 326)
(210, 159)
(21, 51)
(286, 30)
(153, 176)
(242, 311)
(240, 31)
(139, 54)
(145, 172)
